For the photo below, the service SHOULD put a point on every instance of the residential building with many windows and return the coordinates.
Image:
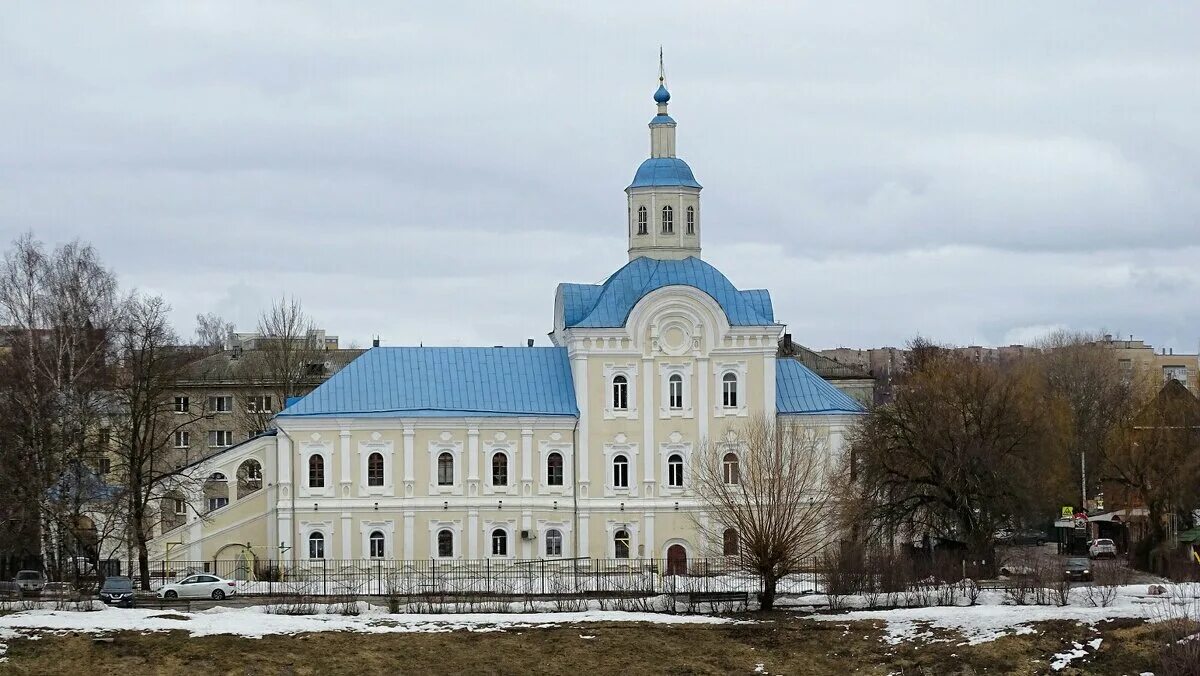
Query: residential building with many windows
(581, 449)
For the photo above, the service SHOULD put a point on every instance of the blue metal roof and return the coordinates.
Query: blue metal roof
(608, 305)
(798, 390)
(661, 119)
(446, 382)
(664, 171)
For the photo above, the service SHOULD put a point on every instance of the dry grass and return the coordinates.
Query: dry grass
(783, 644)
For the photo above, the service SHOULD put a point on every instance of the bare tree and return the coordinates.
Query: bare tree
(212, 331)
(146, 419)
(289, 350)
(959, 451)
(763, 491)
(58, 307)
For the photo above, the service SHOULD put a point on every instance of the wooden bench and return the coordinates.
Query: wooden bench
(719, 597)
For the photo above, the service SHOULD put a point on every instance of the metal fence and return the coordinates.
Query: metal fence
(449, 579)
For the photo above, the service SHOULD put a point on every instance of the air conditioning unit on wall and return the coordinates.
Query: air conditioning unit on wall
(527, 535)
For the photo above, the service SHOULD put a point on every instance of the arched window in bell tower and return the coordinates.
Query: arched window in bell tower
(668, 220)
(642, 229)
(691, 220)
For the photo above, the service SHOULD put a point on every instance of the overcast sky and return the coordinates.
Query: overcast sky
(978, 173)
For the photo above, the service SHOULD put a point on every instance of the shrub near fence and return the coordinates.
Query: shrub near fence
(451, 580)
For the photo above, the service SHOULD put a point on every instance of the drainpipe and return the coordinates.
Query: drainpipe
(575, 491)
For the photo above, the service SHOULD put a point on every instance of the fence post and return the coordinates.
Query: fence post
(324, 577)
(489, 575)
(543, 564)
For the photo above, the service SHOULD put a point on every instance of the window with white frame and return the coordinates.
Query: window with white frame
(180, 507)
(1175, 373)
(445, 543)
(220, 438)
(620, 392)
(220, 404)
(554, 542)
(620, 470)
(675, 471)
(668, 220)
(499, 542)
(691, 220)
(183, 438)
(621, 544)
(377, 542)
(316, 471)
(445, 469)
(215, 503)
(499, 469)
(675, 392)
(316, 545)
(181, 404)
(375, 469)
(554, 469)
(642, 228)
(730, 470)
(729, 390)
(258, 404)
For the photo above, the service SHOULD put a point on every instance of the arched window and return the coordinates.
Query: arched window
(499, 469)
(729, 390)
(554, 469)
(553, 542)
(642, 221)
(375, 469)
(621, 544)
(620, 393)
(249, 475)
(499, 542)
(376, 544)
(316, 471)
(675, 391)
(445, 469)
(729, 467)
(620, 471)
(691, 220)
(216, 491)
(668, 220)
(729, 541)
(675, 471)
(316, 546)
(445, 543)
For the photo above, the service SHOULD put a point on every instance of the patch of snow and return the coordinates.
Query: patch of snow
(760, 668)
(586, 636)
(254, 622)
(1095, 643)
(1063, 660)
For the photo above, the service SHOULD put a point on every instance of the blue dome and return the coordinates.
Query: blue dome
(662, 95)
(608, 305)
(664, 171)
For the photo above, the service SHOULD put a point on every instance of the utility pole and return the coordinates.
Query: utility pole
(1083, 480)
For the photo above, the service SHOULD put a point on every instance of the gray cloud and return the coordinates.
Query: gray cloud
(976, 174)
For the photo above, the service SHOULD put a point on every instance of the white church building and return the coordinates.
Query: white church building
(582, 449)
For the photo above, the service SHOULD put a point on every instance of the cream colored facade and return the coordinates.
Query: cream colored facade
(675, 332)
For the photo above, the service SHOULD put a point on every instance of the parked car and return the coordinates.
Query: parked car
(202, 586)
(10, 590)
(1029, 537)
(117, 591)
(1102, 547)
(60, 591)
(1003, 536)
(1077, 568)
(30, 581)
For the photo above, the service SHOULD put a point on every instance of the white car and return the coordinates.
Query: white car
(200, 586)
(1102, 547)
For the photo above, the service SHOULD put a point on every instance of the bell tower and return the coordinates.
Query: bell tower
(664, 197)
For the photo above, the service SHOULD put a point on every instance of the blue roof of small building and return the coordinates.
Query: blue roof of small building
(608, 305)
(800, 391)
(446, 382)
(668, 171)
(662, 119)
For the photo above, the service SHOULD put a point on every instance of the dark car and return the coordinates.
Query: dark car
(1029, 537)
(1078, 569)
(117, 591)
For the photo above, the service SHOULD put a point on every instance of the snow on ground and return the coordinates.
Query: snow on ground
(991, 619)
(255, 622)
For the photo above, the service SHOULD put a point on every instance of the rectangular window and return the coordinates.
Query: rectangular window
(220, 438)
(217, 503)
(223, 404)
(258, 404)
(377, 547)
(181, 404)
(253, 433)
(675, 392)
(182, 439)
(180, 507)
(1175, 373)
(105, 465)
(105, 436)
